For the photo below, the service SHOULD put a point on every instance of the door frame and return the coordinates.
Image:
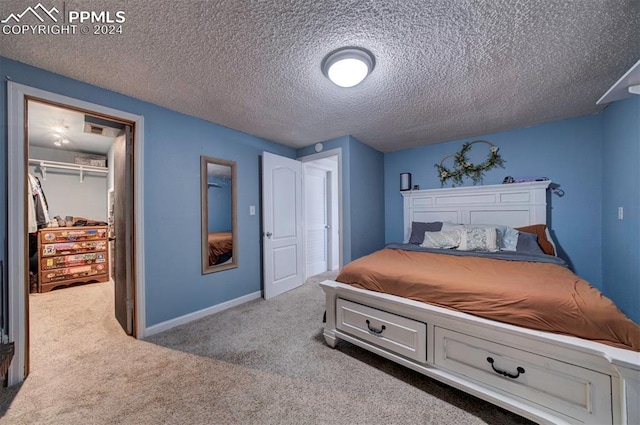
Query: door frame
(17, 95)
(326, 154)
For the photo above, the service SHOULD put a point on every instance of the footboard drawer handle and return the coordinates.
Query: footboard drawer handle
(374, 330)
(502, 372)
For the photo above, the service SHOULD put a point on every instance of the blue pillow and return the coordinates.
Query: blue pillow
(528, 243)
(418, 228)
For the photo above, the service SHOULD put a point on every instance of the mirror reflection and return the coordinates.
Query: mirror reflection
(218, 198)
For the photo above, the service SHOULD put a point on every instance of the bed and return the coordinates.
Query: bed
(220, 247)
(581, 373)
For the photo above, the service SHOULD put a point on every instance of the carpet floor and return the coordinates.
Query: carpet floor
(264, 362)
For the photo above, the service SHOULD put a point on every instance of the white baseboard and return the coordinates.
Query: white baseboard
(164, 326)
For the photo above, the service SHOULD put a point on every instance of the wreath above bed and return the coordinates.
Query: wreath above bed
(463, 168)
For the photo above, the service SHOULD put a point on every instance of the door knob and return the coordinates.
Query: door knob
(268, 234)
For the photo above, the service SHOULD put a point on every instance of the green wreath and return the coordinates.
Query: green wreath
(463, 168)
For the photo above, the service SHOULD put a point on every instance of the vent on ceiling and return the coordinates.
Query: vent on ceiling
(94, 129)
(101, 127)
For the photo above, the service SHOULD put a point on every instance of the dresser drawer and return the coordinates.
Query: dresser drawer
(61, 261)
(395, 333)
(67, 248)
(73, 234)
(88, 271)
(583, 394)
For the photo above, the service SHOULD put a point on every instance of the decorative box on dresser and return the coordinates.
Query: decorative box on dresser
(69, 255)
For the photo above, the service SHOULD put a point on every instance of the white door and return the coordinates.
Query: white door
(281, 224)
(316, 219)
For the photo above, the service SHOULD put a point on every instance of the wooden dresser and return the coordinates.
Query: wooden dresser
(69, 255)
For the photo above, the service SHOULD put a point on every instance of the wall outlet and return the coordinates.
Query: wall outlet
(252, 210)
(620, 213)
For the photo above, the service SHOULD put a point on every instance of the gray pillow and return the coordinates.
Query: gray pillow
(528, 243)
(418, 228)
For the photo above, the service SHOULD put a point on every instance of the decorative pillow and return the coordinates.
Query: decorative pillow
(509, 240)
(478, 239)
(446, 240)
(506, 237)
(418, 230)
(544, 240)
(528, 243)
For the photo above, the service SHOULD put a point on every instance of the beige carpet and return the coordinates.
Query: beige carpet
(264, 362)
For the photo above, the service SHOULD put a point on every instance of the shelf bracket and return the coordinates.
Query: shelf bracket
(43, 171)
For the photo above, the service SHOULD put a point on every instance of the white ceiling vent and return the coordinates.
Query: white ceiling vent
(101, 127)
(100, 130)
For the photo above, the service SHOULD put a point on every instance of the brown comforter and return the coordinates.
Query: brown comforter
(541, 296)
(219, 243)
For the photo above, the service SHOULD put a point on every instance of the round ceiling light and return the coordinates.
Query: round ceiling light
(348, 66)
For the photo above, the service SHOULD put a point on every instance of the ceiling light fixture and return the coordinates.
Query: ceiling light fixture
(348, 66)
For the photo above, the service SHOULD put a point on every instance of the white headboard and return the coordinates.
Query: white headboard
(514, 205)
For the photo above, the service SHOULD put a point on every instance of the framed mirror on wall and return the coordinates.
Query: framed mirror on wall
(219, 223)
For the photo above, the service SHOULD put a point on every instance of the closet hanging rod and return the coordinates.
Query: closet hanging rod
(68, 166)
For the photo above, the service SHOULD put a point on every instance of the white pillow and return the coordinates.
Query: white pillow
(441, 239)
(507, 237)
(550, 239)
(479, 238)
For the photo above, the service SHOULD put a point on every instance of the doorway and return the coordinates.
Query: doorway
(321, 212)
(285, 234)
(19, 99)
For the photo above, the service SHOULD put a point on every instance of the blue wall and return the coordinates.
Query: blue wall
(569, 152)
(621, 188)
(173, 145)
(367, 199)
(362, 199)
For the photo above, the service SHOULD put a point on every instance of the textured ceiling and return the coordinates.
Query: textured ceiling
(444, 70)
(44, 119)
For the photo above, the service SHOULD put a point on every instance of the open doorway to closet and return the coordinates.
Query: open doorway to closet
(322, 213)
(69, 176)
(78, 208)
(34, 167)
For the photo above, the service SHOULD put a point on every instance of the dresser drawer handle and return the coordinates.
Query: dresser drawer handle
(374, 330)
(502, 372)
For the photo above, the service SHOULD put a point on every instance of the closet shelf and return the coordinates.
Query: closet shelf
(627, 85)
(43, 165)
